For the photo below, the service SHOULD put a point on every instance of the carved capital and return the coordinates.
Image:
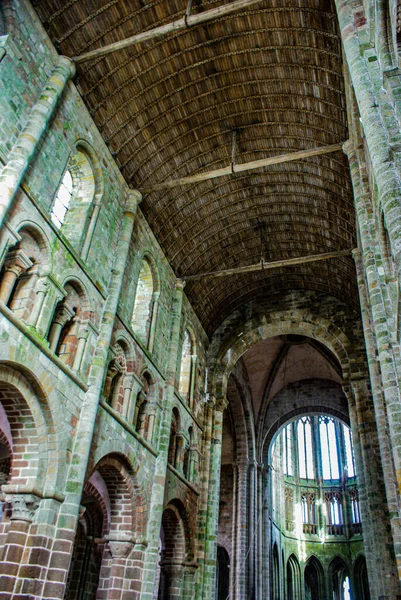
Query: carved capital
(63, 314)
(134, 197)
(17, 262)
(120, 548)
(23, 506)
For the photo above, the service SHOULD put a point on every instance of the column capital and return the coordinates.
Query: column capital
(120, 548)
(221, 403)
(348, 148)
(132, 201)
(180, 284)
(23, 506)
(17, 261)
(67, 63)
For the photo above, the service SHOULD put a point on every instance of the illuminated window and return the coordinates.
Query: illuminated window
(328, 444)
(348, 451)
(62, 200)
(287, 450)
(305, 449)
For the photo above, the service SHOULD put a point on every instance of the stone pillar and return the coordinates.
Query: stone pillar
(155, 310)
(91, 227)
(15, 265)
(194, 359)
(25, 147)
(180, 453)
(385, 172)
(241, 534)
(114, 581)
(81, 347)
(205, 476)
(12, 554)
(382, 571)
(42, 289)
(209, 566)
(173, 580)
(383, 374)
(83, 439)
(63, 314)
(159, 477)
(188, 588)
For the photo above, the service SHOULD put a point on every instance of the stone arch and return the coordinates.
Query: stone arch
(116, 473)
(338, 572)
(275, 573)
(24, 264)
(122, 457)
(293, 578)
(314, 578)
(225, 353)
(31, 426)
(86, 560)
(361, 583)
(242, 419)
(71, 315)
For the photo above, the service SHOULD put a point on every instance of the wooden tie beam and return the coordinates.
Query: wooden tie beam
(264, 266)
(187, 21)
(249, 166)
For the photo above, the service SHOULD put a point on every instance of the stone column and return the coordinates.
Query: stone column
(240, 542)
(15, 265)
(188, 588)
(42, 289)
(13, 553)
(205, 476)
(83, 439)
(25, 147)
(91, 227)
(382, 571)
(383, 373)
(155, 310)
(81, 347)
(194, 359)
(113, 580)
(64, 313)
(159, 477)
(180, 453)
(173, 580)
(373, 122)
(209, 567)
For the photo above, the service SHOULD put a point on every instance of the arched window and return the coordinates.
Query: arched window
(305, 449)
(287, 450)
(62, 200)
(329, 451)
(143, 306)
(72, 207)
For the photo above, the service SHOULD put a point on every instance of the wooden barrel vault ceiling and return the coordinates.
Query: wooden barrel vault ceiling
(269, 76)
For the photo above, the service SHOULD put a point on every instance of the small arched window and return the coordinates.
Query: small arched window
(72, 208)
(62, 201)
(143, 307)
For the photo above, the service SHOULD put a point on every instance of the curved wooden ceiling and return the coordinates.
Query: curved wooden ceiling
(168, 108)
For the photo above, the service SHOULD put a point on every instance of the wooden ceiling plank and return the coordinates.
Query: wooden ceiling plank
(188, 20)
